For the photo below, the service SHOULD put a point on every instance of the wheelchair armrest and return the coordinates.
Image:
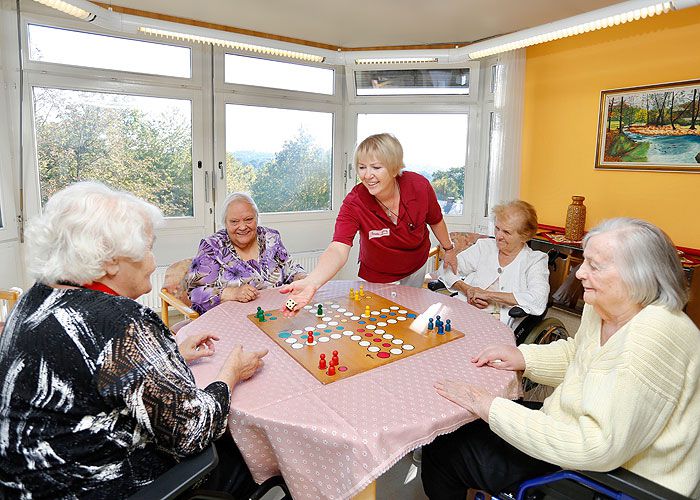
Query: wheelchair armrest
(619, 483)
(517, 312)
(636, 486)
(180, 478)
(436, 285)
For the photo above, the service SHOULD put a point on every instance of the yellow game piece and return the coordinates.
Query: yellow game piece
(357, 295)
(352, 293)
(362, 291)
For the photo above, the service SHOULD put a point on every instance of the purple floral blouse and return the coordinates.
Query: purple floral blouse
(217, 266)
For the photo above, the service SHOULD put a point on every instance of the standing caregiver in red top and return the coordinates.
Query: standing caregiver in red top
(391, 209)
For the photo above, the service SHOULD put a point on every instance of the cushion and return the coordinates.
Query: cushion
(174, 281)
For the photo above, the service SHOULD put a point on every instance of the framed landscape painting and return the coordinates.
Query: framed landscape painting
(656, 127)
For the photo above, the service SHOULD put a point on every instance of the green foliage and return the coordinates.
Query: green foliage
(115, 143)
(449, 183)
(296, 179)
(627, 149)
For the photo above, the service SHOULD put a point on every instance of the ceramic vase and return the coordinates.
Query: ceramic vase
(575, 219)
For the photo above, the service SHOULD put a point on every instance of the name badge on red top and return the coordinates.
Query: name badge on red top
(379, 233)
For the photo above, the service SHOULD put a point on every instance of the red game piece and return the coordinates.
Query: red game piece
(331, 370)
(334, 359)
(310, 338)
(322, 362)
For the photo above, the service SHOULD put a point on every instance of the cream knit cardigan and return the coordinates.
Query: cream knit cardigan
(633, 402)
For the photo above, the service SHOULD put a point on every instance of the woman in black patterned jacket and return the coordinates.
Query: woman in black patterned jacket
(96, 400)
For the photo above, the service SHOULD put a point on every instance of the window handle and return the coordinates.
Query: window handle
(221, 170)
(206, 187)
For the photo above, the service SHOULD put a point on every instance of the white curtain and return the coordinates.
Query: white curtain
(506, 127)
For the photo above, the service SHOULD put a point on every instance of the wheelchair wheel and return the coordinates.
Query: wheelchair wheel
(547, 331)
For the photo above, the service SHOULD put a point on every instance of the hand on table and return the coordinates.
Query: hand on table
(468, 396)
(243, 293)
(197, 346)
(501, 356)
(240, 365)
(301, 292)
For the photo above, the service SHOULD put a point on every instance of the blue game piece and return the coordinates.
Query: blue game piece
(440, 330)
(448, 326)
(430, 324)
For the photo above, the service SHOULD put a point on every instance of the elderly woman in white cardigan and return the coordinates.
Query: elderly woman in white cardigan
(497, 274)
(627, 385)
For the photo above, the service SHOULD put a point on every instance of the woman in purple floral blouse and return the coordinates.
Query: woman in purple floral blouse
(235, 262)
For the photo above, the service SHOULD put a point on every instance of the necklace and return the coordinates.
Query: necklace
(389, 211)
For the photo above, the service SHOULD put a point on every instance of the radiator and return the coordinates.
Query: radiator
(152, 300)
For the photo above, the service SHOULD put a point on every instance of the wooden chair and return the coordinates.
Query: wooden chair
(174, 293)
(8, 299)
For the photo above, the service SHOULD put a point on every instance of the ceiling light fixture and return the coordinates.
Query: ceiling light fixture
(258, 49)
(576, 25)
(396, 60)
(69, 8)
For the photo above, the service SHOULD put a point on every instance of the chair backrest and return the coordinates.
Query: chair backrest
(8, 298)
(174, 280)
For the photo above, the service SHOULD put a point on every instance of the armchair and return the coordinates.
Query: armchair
(174, 294)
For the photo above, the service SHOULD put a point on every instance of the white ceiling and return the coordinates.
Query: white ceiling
(367, 23)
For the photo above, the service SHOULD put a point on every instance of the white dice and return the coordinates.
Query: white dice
(291, 304)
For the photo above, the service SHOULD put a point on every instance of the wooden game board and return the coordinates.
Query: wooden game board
(391, 332)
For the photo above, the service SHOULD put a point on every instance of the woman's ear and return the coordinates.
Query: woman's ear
(111, 267)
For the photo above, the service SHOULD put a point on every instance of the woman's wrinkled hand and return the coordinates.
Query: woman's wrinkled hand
(197, 346)
(241, 365)
(243, 293)
(501, 356)
(468, 396)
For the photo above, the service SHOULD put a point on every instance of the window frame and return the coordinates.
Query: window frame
(77, 78)
(237, 94)
(220, 84)
(418, 99)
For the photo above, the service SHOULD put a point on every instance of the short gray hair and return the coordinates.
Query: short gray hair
(234, 197)
(647, 261)
(85, 226)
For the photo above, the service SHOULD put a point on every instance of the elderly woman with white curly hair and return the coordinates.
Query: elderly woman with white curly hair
(626, 386)
(95, 399)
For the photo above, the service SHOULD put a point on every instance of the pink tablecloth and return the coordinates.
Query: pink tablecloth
(331, 441)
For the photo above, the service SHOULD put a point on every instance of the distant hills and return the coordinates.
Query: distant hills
(255, 158)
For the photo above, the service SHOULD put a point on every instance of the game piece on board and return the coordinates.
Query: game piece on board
(331, 370)
(440, 329)
(322, 362)
(430, 324)
(438, 321)
(352, 293)
(362, 291)
(367, 311)
(357, 295)
(290, 304)
(319, 311)
(310, 338)
(334, 358)
(448, 326)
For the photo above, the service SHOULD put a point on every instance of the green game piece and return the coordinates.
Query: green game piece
(319, 311)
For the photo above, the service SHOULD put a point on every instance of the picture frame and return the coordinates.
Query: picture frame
(650, 128)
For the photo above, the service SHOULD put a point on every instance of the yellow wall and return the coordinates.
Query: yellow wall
(562, 93)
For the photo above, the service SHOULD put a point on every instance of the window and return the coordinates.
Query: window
(62, 46)
(282, 157)
(434, 145)
(412, 82)
(135, 143)
(278, 75)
